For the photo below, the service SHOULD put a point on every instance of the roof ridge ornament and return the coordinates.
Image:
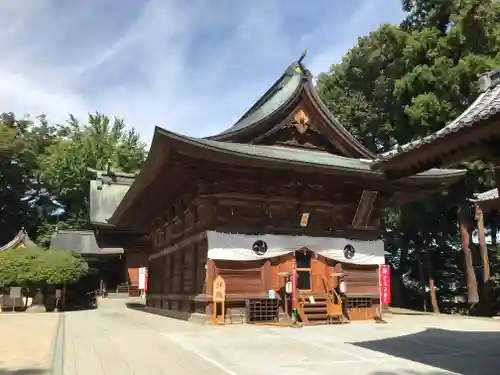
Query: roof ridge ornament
(489, 80)
(301, 68)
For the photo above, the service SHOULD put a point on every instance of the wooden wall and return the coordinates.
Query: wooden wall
(180, 276)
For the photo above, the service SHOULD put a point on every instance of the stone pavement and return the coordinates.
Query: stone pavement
(26, 342)
(117, 340)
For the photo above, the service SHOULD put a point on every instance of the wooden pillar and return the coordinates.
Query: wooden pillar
(432, 284)
(422, 281)
(482, 243)
(266, 275)
(465, 234)
(211, 274)
(486, 286)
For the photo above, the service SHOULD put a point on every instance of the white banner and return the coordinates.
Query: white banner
(225, 246)
(142, 278)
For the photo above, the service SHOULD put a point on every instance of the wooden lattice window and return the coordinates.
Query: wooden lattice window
(359, 302)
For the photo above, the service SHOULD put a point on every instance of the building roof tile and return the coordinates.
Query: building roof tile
(484, 107)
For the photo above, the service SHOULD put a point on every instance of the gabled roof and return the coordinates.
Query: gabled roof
(21, 238)
(484, 108)
(166, 143)
(106, 193)
(80, 241)
(279, 100)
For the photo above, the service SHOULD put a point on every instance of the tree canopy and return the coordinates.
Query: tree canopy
(44, 177)
(34, 266)
(402, 82)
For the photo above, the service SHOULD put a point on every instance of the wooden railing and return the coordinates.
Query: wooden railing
(334, 301)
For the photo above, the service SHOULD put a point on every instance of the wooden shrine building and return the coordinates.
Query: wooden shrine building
(286, 186)
(116, 254)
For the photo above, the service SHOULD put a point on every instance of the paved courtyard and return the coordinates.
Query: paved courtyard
(26, 343)
(117, 340)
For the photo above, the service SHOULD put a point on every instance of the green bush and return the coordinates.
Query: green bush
(33, 266)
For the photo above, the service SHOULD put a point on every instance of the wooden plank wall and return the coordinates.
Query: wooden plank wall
(362, 280)
(176, 278)
(180, 276)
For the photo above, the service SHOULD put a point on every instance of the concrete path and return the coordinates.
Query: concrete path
(26, 342)
(117, 340)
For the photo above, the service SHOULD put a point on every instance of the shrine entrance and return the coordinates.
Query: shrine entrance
(303, 268)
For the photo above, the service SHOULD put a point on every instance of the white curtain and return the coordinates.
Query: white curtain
(238, 247)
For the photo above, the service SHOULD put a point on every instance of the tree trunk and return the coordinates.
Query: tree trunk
(493, 228)
(422, 281)
(432, 285)
(486, 286)
(399, 287)
(465, 234)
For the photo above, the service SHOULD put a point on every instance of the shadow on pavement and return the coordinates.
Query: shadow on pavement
(135, 306)
(409, 372)
(23, 371)
(463, 352)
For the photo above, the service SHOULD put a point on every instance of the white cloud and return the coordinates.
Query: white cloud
(191, 68)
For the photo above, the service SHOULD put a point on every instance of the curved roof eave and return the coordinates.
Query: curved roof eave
(283, 155)
(335, 123)
(153, 160)
(21, 237)
(281, 93)
(275, 157)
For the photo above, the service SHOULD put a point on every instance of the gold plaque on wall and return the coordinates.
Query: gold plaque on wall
(304, 219)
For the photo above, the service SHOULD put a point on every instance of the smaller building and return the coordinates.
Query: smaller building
(20, 241)
(113, 254)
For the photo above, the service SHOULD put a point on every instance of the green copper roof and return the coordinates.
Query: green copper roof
(83, 242)
(299, 156)
(282, 91)
(291, 154)
(104, 198)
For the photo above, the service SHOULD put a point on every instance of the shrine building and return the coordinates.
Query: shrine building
(285, 188)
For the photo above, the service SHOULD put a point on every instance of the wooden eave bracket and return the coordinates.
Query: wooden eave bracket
(364, 210)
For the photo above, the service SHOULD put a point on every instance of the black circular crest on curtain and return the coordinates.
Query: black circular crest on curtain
(259, 247)
(349, 251)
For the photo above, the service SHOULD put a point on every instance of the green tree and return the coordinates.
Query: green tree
(23, 198)
(403, 82)
(99, 144)
(27, 267)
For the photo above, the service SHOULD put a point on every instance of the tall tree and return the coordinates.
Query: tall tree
(100, 143)
(403, 82)
(23, 199)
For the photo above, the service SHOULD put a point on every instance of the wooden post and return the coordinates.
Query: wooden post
(465, 234)
(485, 287)
(482, 243)
(432, 285)
(422, 281)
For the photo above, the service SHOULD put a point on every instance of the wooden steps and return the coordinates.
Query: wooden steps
(315, 309)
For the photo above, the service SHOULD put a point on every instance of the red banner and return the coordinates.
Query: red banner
(384, 272)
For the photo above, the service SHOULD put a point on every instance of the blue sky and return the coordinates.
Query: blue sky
(191, 66)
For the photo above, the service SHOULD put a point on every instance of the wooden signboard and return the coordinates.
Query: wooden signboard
(219, 297)
(304, 219)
